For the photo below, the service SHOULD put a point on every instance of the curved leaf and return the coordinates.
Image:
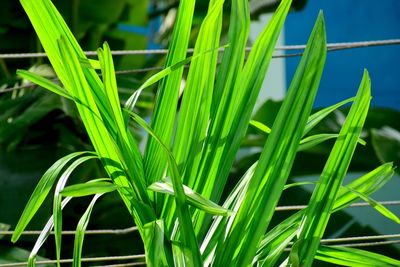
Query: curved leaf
(80, 232)
(41, 191)
(353, 257)
(193, 198)
(321, 204)
(57, 216)
(86, 189)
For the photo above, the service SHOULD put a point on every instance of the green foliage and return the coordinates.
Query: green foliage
(198, 154)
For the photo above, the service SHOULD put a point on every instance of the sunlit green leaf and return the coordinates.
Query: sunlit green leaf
(321, 204)
(41, 191)
(86, 189)
(353, 257)
(193, 198)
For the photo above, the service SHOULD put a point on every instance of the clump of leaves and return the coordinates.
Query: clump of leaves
(173, 188)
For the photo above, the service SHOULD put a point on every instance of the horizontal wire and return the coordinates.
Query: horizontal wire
(110, 258)
(343, 45)
(331, 47)
(367, 244)
(360, 204)
(122, 72)
(280, 208)
(140, 256)
(357, 238)
(88, 232)
(123, 264)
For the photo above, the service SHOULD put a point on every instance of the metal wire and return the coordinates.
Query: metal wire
(367, 244)
(88, 232)
(360, 204)
(280, 208)
(124, 264)
(141, 256)
(344, 45)
(331, 47)
(110, 258)
(121, 72)
(357, 238)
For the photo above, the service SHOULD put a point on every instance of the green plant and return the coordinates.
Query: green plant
(172, 190)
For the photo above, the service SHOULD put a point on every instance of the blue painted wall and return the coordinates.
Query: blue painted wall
(348, 21)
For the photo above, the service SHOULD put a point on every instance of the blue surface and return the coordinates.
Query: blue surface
(349, 21)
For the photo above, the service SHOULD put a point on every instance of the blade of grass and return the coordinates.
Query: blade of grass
(192, 197)
(376, 205)
(163, 117)
(261, 126)
(230, 118)
(323, 113)
(80, 232)
(353, 257)
(367, 184)
(155, 254)
(191, 251)
(196, 102)
(41, 191)
(277, 156)
(43, 236)
(85, 189)
(43, 82)
(313, 140)
(320, 206)
(57, 199)
(86, 88)
(219, 228)
(130, 103)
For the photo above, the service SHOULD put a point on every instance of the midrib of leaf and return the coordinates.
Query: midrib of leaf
(277, 157)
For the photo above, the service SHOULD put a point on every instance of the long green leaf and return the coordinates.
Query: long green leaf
(45, 83)
(221, 225)
(376, 205)
(80, 232)
(57, 199)
(354, 257)
(238, 90)
(367, 184)
(155, 253)
(41, 191)
(323, 113)
(43, 236)
(191, 251)
(320, 206)
(196, 103)
(88, 92)
(163, 117)
(86, 189)
(277, 157)
(193, 198)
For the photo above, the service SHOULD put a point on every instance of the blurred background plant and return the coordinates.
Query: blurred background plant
(37, 127)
